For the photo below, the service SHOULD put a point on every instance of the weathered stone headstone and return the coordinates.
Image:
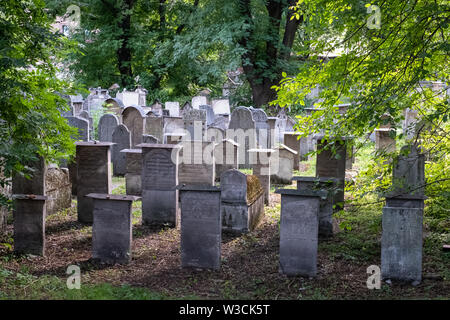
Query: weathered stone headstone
(174, 138)
(214, 134)
(86, 116)
(58, 190)
(409, 124)
(157, 107)
(199, 101)
(299, 227)
(83, 128)
(242, 198)
(29, 224)
(112, 228)
(221, 121)
(134, 119)
(226, 156)
(173, 125)
(221, 106)
(116, 106)
(133, 181)
(195, 123)
(384, 142)
(159, 179)
(154, 126)
(282, 172)
(261, 164)
(262, 127)
(147, 138)
(292, 141)
(106, 126)
(121, 138)
(210, 117)
(35, 183)
(93, 175)
(201, 227)
(401, 244)
(329, 185)
(197, 165)
(174, 108)
(242, 129)
(273, 137)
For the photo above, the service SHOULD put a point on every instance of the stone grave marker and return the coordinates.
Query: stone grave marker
(221, 106)
(226, 156)
(121, 138)
(106, 126)
(197, 165)
(133, 180)
(133, 118)
(83, 128)
(174, 108)
(242, 129)
(283, 170)
(261, 164)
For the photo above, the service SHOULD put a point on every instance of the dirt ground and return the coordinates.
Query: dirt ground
(249, 267)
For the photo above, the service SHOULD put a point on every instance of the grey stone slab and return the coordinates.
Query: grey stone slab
(262, 127)
(93, 176)
(106, 126)
(112, 228)
(292, 140)
(283, 165)
(408, 176)
(401, 244)
(29, 224)
(58, 189)
(299, 227)
(122, 139)
(197, 164)
(154, 126)
(226, 156)
(261, 164)
(82, 125)
(133, 180)
(147, 138)
(35, 183)
(201, 229)
(242, 129)
(133, 118)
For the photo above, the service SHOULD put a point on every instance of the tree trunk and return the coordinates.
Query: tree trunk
(124, 54)
(262, 94)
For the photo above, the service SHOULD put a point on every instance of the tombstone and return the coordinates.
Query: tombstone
(129, 98)
(292, 141)
(37, 170)
(242, 201)
(173, 125)
(401, 244)
(121, 138)
(147, 138)
(214, 134)
(221, 121)
(133, 181)
(58, 190)
(134, 119)
(199, 101)
(93, 175)
(29, 224)
(174, 108)
(72, 166)
(112, 228)
(96, 99)
(262, 165)
(326, 205)
(409, 124)
(242, 129)
(384, 142)
(332, 165)
(142, 95)
(85, 115)
(283, 170)
(186, 108)
(408, 179)
(201, 227)
(210, 117)
(157, 108)
(195, 123)
(116, 106)
(262, 127)
(221, 106)
(83, 128)
(174, 138)
(299, 226)
(154, 126)
(226, 156)
(76, 102)
(273, 138)
(197, 165)
(159, 179)
(106, 126)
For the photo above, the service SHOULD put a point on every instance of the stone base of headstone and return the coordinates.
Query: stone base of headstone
(29, 224)
(201, 227)
(401, 244)
(112, 228)
(326, 225)
(299, 228)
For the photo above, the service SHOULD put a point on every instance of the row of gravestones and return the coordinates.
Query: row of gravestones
(237, 206)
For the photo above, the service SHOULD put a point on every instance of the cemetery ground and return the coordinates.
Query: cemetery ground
(249, 268)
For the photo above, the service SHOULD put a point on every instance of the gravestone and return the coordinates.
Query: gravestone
(329, 185)
(199, 101)
(214, 134)
(82, 126)
(201, 227)
(147, 138)
(159, 179)
(221, 121)
(299, 228)
(154, 126)
(173, 125)
(72, 166)
(29, 224)
(384, 140)
(112, 228)
(106, 126)
(242, 201)
(86, 116)
(401, 244)
(174, 138)
(35, 183)
(115, 106)
(134, 119)
(157, 108)
(197, 165)
(174, 108)
(93, 175)
(121, 138)
(58, 190)
(262, 166)
(133, 181)
(226, 156)
(273, 137)
(221, 106)
(292, 141)
(409, 124)
(210, 117)
(195, 124)
(282, 172)
(242, 129)
(262, 127)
